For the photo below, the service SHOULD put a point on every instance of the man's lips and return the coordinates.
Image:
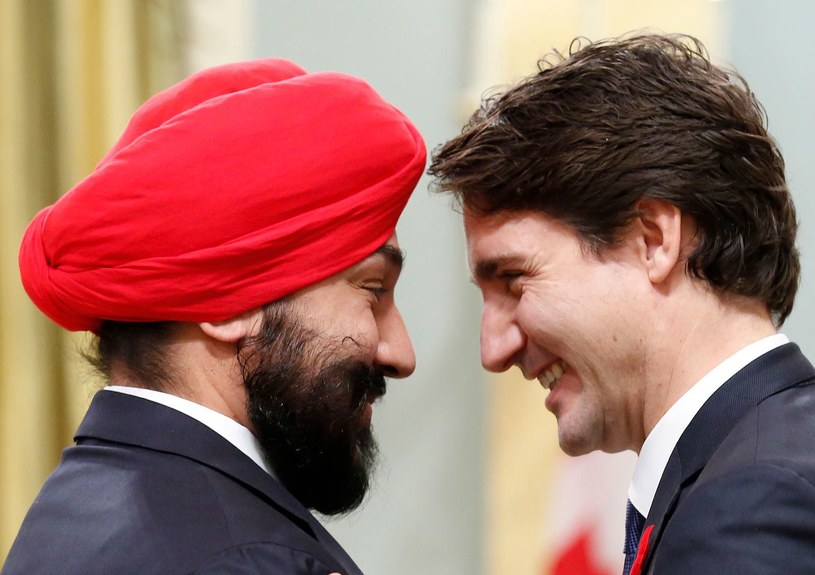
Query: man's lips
(367, 409)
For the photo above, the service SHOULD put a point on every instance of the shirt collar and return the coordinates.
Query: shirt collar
(660, 443)
(226, 427)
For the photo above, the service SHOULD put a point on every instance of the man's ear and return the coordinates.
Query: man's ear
(234, 329)
(658, 227)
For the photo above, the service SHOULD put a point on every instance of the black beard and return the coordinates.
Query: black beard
(307, 407)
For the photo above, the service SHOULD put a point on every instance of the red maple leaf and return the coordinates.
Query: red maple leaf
(577, 558)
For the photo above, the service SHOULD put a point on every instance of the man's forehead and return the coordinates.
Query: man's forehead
(493, 233)
(502, 218)
(507, 239)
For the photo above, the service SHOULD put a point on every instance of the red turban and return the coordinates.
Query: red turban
(236, 187)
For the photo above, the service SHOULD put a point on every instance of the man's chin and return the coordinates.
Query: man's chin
(573, 444)
(339, 498)
(326, 482)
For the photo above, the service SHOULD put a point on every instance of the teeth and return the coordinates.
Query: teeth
(551, 375)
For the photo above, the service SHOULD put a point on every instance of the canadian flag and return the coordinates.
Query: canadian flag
(585, 515)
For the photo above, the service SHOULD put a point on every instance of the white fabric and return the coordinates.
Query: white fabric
(662, 440)
(226, 427)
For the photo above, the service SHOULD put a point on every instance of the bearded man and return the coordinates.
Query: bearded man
(235, 255)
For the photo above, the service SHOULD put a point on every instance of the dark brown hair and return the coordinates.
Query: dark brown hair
(137, 348)
(644, 116)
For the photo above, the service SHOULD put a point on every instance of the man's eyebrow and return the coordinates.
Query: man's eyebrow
(394, 255)
(487, 269)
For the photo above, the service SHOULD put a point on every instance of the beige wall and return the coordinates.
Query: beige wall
(72, 73)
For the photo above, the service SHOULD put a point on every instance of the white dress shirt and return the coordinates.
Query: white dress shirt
(226, 427)
(662, 440)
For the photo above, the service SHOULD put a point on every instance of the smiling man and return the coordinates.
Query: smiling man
(235, 254)
(629, 226)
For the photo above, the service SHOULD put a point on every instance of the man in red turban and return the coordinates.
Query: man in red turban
(235, 255)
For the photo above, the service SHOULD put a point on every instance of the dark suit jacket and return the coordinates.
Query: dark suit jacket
(148, 490)
(738, 493)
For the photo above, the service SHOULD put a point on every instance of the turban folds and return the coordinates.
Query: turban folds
(236, 187)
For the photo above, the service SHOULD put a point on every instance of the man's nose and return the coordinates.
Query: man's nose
(394, 352)
(501, 339)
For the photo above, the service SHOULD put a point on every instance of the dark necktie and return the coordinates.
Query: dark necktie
(633, 529)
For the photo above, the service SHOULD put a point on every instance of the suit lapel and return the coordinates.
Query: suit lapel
(136, 421)
(775, 371)
(663, 505)
(331, 545)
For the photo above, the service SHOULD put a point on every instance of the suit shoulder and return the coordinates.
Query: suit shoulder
(105, 496)
(256, 558)
(778, 432)
(757, 520)
(754, 520)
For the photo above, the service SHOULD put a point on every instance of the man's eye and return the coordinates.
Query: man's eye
(509, 279)
(510, 275)
(378, 291)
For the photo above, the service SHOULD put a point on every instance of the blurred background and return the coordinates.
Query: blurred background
(472, 481)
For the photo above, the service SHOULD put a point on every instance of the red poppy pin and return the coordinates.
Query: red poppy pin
(642, 549)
